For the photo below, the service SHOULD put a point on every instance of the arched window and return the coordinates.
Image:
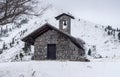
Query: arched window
(64, 24)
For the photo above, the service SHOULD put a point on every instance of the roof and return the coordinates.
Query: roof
(65, 15)
(30, 39)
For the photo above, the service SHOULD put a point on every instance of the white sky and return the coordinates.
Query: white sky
(105, 12)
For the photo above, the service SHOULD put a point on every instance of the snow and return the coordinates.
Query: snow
(93, 34)
(59, 69)
(9, 55)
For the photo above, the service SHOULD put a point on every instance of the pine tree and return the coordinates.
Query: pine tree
(1, 32)
(4, 46)
(1, 51)
(108, 32)
(117, 29)
(21, 56)
(6, 29)
(114, 35)
(10, 29)
(105, 29)
(17, 42)
(16, 57)
(109, 27)
(119, 35)
(89, 52)
(13, 41)
(11, 44)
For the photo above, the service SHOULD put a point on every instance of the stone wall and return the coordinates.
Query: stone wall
(65, 49)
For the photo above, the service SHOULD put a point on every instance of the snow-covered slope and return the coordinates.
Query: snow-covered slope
(95, 36)
(59, 69)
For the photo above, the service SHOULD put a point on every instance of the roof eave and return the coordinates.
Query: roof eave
(57, 17)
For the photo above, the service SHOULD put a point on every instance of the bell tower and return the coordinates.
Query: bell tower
(65, 22)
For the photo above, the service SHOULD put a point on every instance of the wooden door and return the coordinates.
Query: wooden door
(51, 51)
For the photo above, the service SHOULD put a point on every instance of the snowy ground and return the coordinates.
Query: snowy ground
(59, 69)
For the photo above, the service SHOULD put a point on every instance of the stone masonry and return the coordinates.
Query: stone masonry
(65, 49)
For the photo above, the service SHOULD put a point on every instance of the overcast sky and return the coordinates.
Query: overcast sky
(98, 11)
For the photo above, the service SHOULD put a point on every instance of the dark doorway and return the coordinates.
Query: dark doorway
(51, 51)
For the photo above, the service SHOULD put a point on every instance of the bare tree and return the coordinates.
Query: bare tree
(12, 9)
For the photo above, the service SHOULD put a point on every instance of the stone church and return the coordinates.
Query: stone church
(51, 43)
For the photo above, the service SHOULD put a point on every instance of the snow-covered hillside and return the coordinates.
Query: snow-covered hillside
(59, 69)
(95, 36)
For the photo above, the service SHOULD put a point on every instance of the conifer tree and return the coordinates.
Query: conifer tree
(89, 52)
(108, 32)
(13, 41)
(119, 35)
(21, 56)
(4, 46)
